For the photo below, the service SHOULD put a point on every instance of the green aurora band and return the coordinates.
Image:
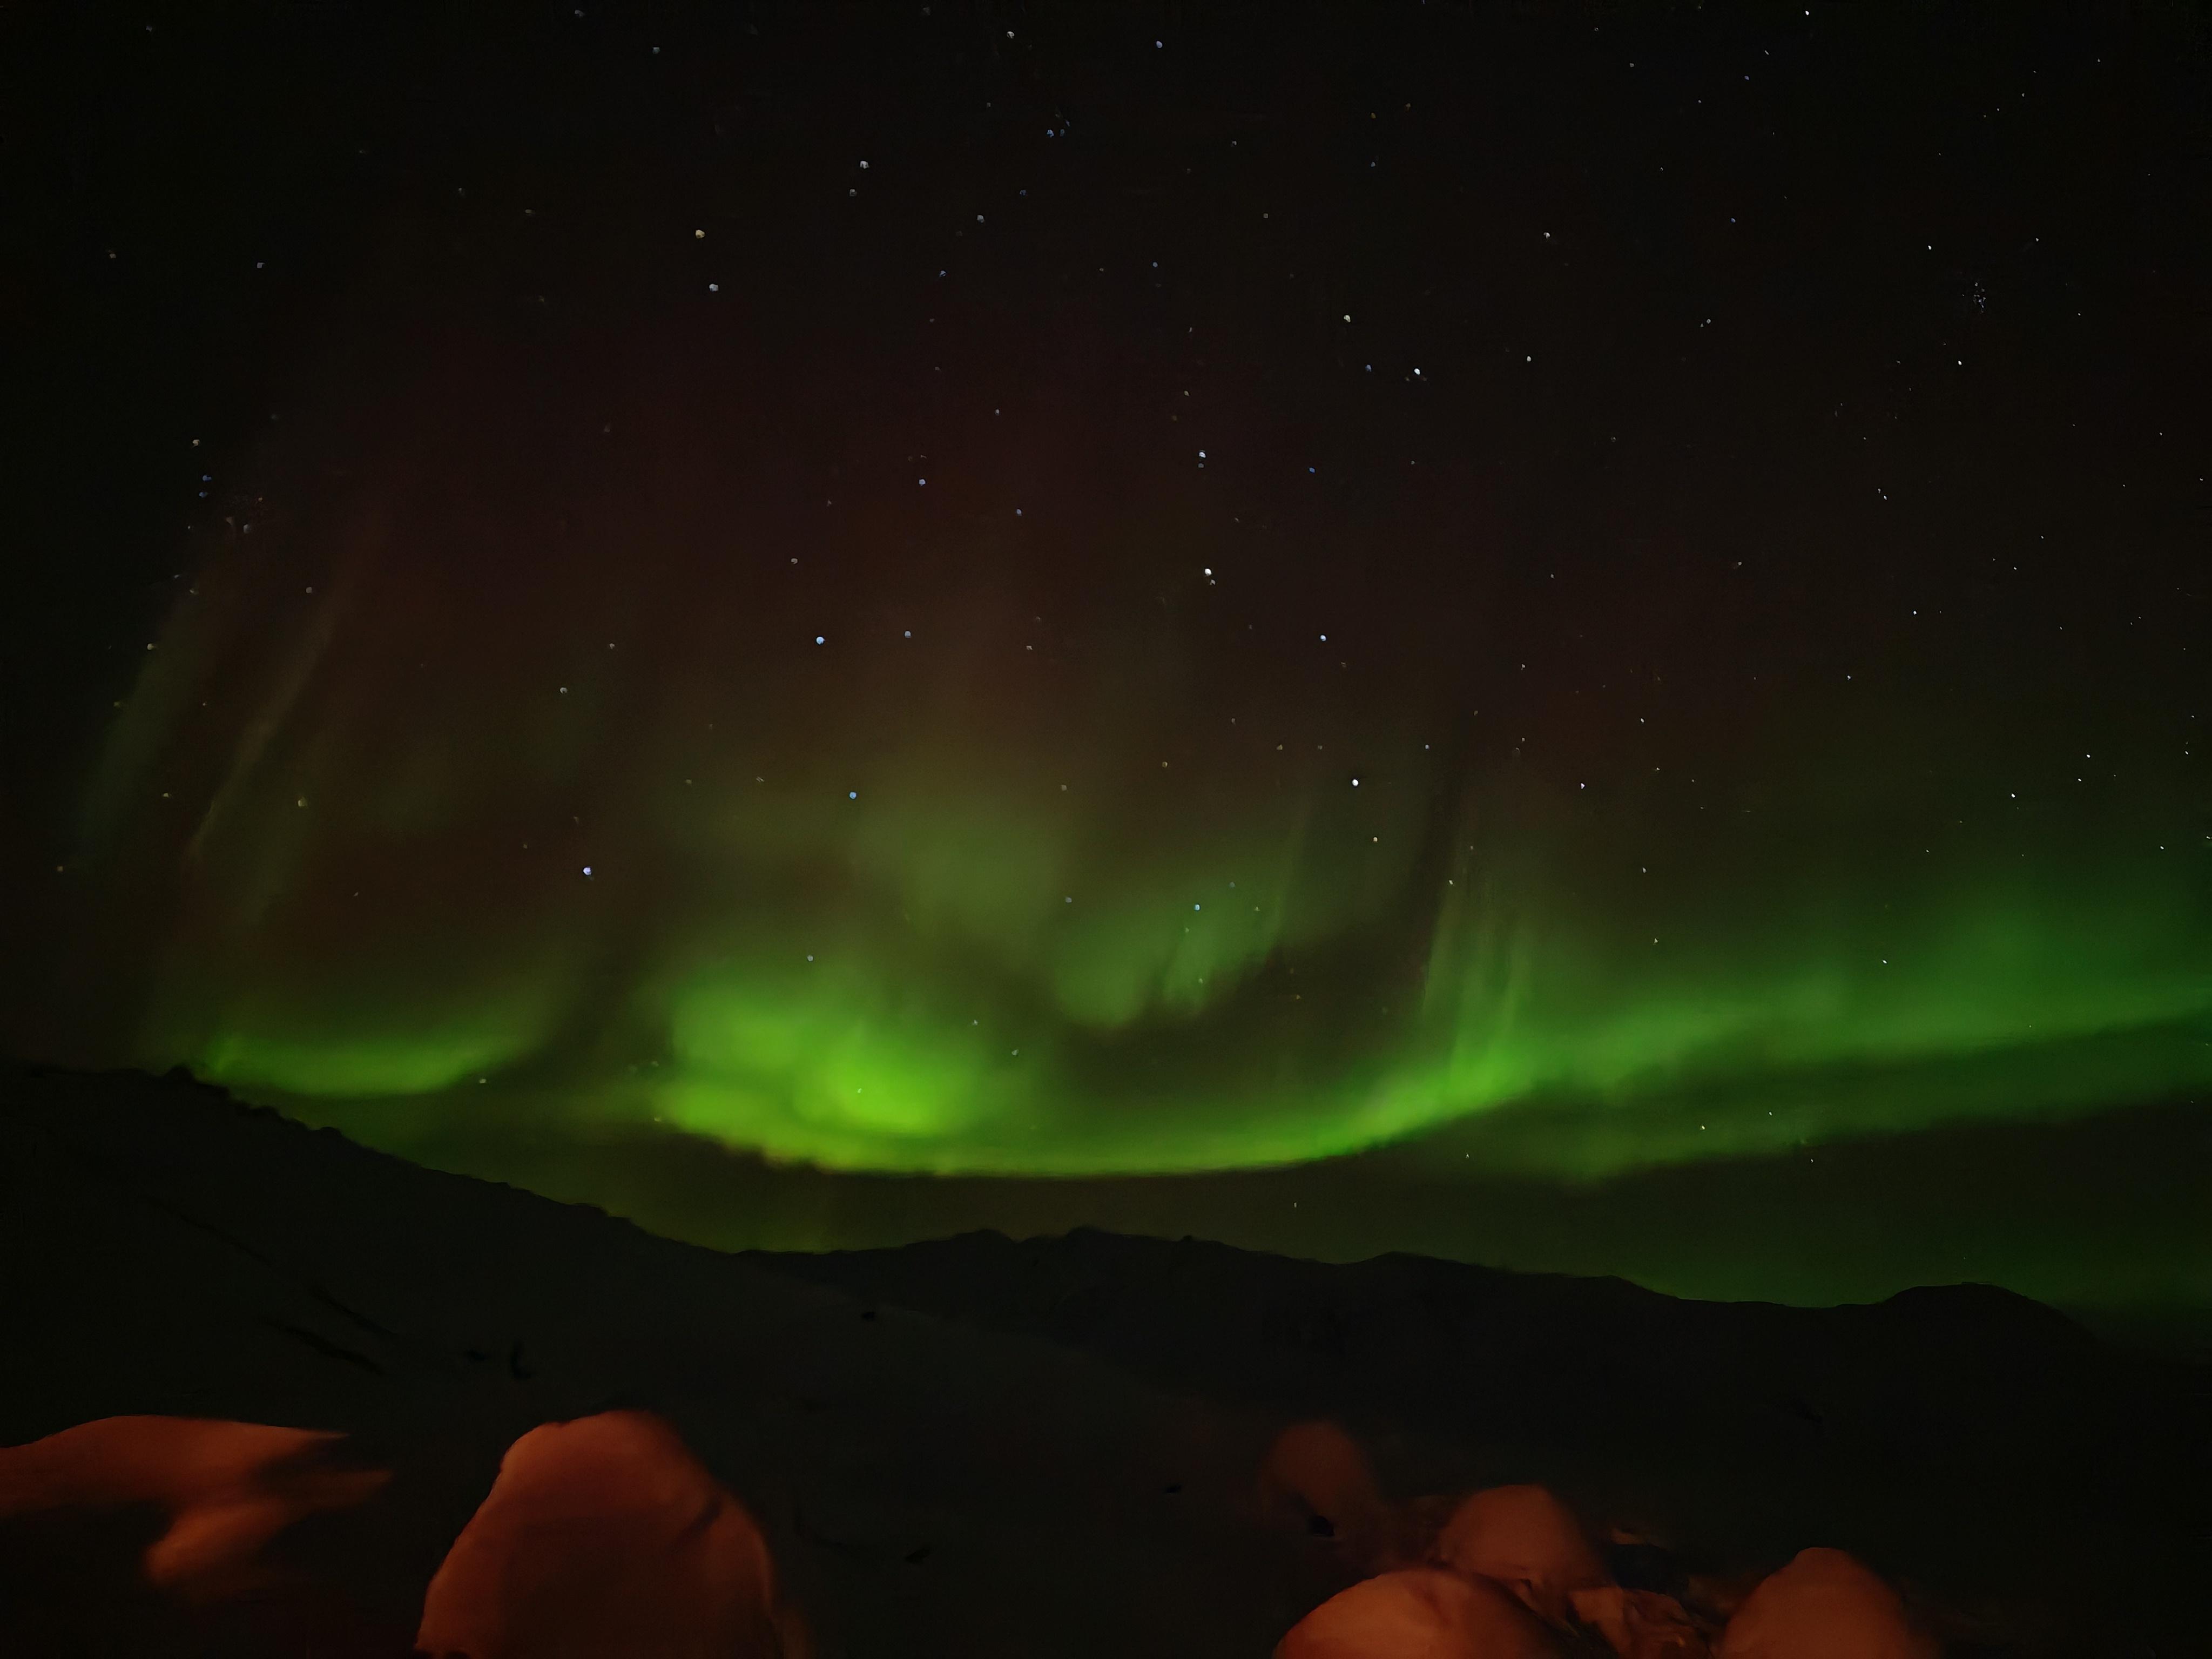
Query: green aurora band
(1433, 646)
(936, 927)
(868, 1057)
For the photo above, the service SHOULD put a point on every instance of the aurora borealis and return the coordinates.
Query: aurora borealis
(942, 599)
(1016, 944)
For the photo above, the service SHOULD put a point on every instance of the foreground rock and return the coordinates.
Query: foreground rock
(988, 1449)
(1824, 1605)
(603, 1536)
(1420, 1612)
(1525, 1538)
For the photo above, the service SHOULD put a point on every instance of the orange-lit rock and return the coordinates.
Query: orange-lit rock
(1639, 1624)
(601, 1536)
(1824, 1605)
(227, 1488)
(1317, 1469)
(1526, 1539)
(1421, 1613)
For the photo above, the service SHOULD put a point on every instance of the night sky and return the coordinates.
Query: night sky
(1574, 636)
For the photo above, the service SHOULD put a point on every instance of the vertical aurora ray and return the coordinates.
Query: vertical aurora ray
(1427, 629)
(932, 934)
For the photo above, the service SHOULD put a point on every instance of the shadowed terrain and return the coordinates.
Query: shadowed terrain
(983, 1447)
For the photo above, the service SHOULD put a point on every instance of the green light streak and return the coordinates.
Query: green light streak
(946, 1021)
(918, 926)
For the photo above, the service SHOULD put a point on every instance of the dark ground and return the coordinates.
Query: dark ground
(980, 1447)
